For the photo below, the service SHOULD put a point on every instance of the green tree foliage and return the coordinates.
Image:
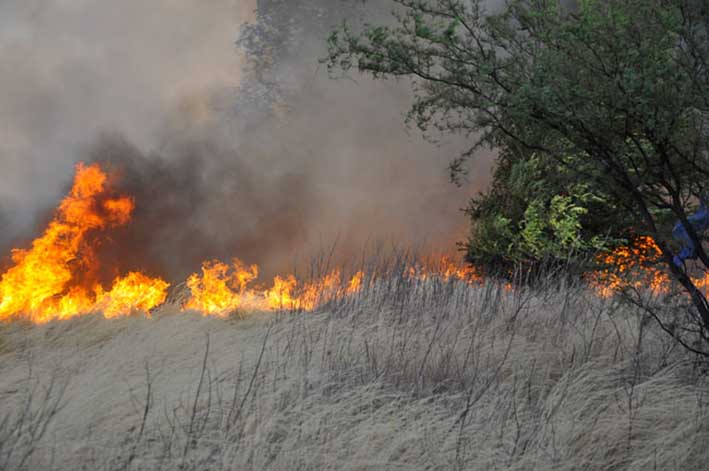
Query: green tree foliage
(537, 212)
(615, 91)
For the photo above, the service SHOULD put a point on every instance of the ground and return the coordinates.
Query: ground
(405, 375)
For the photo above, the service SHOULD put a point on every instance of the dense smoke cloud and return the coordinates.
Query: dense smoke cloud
(199, 201)
(71, 70)
(153, 89)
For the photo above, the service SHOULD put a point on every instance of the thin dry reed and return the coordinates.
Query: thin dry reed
(407, 374)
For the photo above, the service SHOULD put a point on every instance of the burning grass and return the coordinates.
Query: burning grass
(409, 373)
(58, 276)
(637, 267)
(403, 363)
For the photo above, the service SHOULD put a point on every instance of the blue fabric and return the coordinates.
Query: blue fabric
(678, 261)
(700, 222)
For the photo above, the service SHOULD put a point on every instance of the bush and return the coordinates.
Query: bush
(538, 213)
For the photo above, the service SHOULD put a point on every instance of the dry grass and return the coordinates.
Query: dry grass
(405, 375)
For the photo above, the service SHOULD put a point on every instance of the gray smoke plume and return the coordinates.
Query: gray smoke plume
(222, 162)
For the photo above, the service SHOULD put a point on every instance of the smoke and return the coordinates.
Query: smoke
(199, 201)
(157, 89)
(70, 70)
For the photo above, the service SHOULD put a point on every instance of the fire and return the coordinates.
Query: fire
(631, 266)
(281, 295)
(55, 277)
(135, 291)
(220, 289)
(316, 291)
(637, 266)
(355, 283)
(445, 268)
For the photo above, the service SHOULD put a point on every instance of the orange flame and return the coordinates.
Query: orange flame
(281, 295)
(135, 291)
(445, 268)
(637, 266)
(220, 290)
(57, 277)
(42, 282)
(355, 283)
(631, 266)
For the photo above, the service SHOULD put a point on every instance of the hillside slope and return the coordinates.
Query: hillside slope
(407, 374)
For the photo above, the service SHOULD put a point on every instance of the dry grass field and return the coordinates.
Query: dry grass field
(405, 375)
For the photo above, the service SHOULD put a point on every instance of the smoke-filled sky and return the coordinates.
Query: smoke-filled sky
(153, 88)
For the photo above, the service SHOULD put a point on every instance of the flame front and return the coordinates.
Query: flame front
(633, 266)
(221, 289)
(445, 268)
(637, 266)
(55, 277)
(287, 293)
(134, 292)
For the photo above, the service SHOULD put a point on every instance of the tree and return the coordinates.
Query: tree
(278, 35)
(536, 214)
(616, 91)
